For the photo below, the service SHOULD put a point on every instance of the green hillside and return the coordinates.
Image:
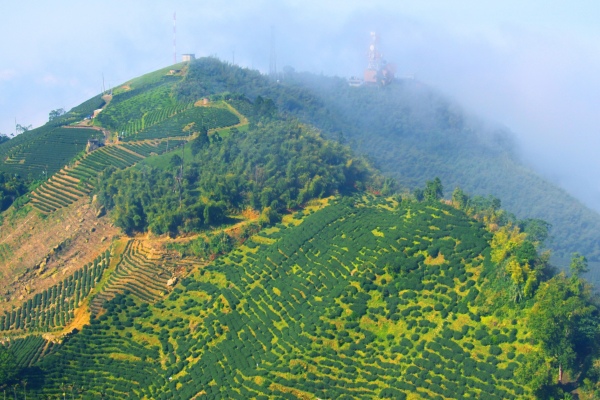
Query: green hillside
(363, 298)
(413, 134)
(246, 255)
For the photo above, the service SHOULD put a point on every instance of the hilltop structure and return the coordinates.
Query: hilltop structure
(378, 70)
(188, 57)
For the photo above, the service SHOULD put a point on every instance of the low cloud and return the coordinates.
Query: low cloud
(524, 65)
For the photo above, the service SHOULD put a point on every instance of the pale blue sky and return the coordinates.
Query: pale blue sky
(531, 65)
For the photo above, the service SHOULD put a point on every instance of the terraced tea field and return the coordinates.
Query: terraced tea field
(186, 122)
(30, 349)
(331, 308)
(70, 184)
(52, 149)
(142, 272)
(54, 307)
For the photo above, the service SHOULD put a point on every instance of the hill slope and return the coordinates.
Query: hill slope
(414, 134)
(326, 307)
(257, 260)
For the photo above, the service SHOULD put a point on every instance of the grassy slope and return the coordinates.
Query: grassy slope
(314, 310)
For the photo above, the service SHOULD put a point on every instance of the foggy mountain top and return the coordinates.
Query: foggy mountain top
(531, 66)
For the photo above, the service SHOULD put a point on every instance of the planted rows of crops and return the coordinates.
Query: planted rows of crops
(69, 185)
(51, 151)
(110, 366)
(136, 273)
(130, 104)
(54, 306)
(333, 308)
(152, 118)
(156, 147)
(50, 196)
(30, 349)
(39, 137)
(191, 119)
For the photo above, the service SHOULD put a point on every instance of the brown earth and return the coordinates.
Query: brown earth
(46, 249)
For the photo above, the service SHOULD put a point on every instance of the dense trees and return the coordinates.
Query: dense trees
(578, 265)
(433, 190)
(10, 188)
(54, 114)
(276, 166)
(565, 321)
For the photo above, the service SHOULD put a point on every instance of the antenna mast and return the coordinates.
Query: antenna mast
(174, 38)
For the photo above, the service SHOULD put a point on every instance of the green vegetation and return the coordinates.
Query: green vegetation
(278, 166)
(36, 154)
(138, 274)
(413, 134)
(8, 365)
(416, 134)
(134, 102)
(186, 123)
(152, 118)
(44, 154)
(274, 268)
(54, 307)
(29, 350)
(71, 184)
(365, 298)
(10, 189)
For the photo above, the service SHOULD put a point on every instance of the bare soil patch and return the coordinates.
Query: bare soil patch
(46, 249)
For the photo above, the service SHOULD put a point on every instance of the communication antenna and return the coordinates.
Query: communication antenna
(174, 38)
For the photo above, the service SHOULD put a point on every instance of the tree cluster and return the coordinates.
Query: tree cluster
(277, 166)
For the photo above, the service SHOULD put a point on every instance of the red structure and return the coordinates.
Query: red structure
(378, 70)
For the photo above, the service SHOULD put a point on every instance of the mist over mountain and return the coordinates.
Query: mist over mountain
(529, 67)
(206, 230)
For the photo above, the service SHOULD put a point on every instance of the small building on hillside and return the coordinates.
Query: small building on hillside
(93, 144)
(188, 57)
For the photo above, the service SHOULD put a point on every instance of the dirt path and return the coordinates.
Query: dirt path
(82, 317)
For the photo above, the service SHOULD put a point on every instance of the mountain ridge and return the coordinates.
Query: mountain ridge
(258, 258)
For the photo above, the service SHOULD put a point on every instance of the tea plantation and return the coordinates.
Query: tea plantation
(364, 298)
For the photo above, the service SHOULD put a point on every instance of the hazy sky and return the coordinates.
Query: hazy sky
(533, 66)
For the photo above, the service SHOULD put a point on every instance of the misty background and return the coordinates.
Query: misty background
(530, 66)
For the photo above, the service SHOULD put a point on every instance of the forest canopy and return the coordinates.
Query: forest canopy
(278, 165)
